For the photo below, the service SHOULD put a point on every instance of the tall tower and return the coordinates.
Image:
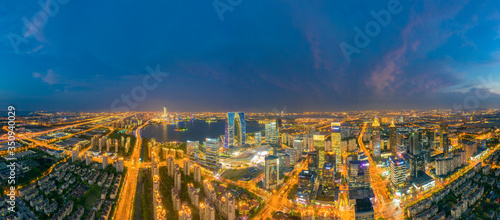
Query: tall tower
(212, 154)
(272, 132)
(336, 137)
(235, 129)
(376, 138)
(319, 145)
(271, 166)
(393, 138)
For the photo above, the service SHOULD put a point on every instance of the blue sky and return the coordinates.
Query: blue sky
(263, 55)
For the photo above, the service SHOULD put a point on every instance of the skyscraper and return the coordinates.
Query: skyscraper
(376, 138)
(272, 132)
(75, 153)
(328, 179)
(212, 154)
(319, 145)
(104, 161)
(235, 129)
(392, 139)
(258, 138)
(192, 149)
(443, 133)
(271, 165)
(414, 143)
(397, 172)
(336, 137)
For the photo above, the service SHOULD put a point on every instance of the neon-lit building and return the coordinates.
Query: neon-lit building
(336, 137)
(397, 172)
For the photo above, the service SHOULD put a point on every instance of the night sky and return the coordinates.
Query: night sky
(250, 55)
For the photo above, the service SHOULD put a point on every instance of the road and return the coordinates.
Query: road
(31, 135)
(125, 207)
(384, 206)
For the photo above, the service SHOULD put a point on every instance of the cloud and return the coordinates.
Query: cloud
(50, 77)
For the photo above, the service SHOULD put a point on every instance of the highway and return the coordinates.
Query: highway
(384, 206)
(31, 135)
(124, 209)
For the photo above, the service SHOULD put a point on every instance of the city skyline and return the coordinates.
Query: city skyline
(426, 55)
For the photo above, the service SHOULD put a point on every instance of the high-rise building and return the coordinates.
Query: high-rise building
(319, 145)
(212, 154)
(119, 165)
(376, 138)
(75, 153)
(88, 159)
(177, 180)
(312, 161)
(272, 132)
(170, 166)
(392, 139)
(102, 142)
(305, 185)
(231, 207)
(258, 138)
(210, 212)
(364, 209)
(328, 179)
(336, 137)
(235, 129)
(414, 143)
(185, 167)
(104, 161)
(397, 172)
(359, 174)
(108, 144)
(443, 133)
(192, 149)
(197, 173)
(271, 167)
(297, 144)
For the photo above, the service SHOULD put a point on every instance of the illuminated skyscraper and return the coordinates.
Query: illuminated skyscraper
(337, 142)
(397, 172)
(192, 149)
(271, 180)
(235, 129)
(328, 179)
(319, 145)
(393, 139)
(212, 154)
(258, 138)
(376, 138)
(272, 132)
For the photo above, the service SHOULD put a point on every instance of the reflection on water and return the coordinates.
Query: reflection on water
(197, 130)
